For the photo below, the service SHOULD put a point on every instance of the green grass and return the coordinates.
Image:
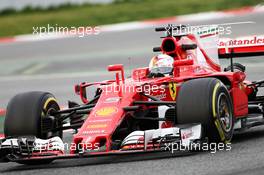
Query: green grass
(14, 23)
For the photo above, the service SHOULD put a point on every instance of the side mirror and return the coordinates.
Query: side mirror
(80, 89)
(117, 67)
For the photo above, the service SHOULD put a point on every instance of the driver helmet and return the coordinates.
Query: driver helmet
(161, 64)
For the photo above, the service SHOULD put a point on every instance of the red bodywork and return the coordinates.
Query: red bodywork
(116, 96)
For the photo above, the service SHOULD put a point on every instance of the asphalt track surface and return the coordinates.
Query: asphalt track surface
(56, 65)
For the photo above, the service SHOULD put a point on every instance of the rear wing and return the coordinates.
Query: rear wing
(241, 47)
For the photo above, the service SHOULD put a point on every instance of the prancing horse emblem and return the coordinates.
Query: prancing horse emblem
(173, 90)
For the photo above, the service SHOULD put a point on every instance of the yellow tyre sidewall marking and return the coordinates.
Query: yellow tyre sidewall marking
(216, 120)
(214, 99)
(50, 99)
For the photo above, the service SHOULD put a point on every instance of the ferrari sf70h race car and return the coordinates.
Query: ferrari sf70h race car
(195, 103)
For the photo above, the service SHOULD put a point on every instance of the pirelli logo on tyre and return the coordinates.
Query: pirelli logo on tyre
(106, 111)
(173, 90)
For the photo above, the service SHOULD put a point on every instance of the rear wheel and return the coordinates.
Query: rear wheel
(207, 101)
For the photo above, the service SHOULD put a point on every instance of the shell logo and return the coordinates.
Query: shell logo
(106, 111)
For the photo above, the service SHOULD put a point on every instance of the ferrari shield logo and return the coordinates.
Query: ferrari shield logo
(173, 90)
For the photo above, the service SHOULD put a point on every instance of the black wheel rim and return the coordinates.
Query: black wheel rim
(224, 112)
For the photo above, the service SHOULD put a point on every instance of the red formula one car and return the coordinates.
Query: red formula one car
(189, 102)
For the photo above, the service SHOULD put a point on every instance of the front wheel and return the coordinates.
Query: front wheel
(28, 114)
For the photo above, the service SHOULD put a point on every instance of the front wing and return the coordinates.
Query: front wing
(156, 142)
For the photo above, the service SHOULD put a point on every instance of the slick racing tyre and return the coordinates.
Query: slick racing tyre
(207, 101)
(28, 115)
